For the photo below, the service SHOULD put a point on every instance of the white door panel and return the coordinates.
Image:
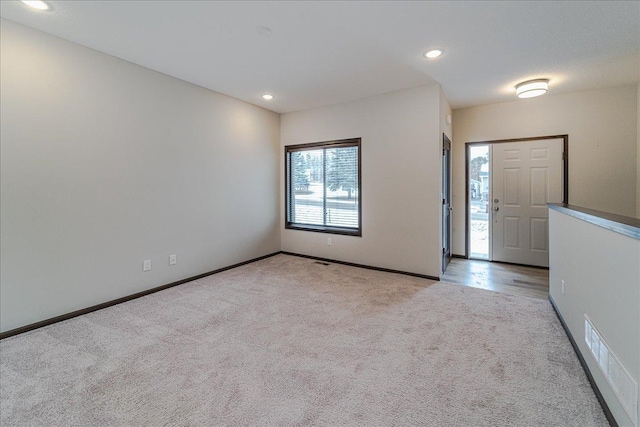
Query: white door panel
(526, 176)
(511, 187)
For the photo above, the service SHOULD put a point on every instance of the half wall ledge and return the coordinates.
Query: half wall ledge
(621, 224)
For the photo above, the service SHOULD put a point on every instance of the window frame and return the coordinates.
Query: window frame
(348, 231)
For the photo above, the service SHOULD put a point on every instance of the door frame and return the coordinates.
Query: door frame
(565, 175)
(446, 184)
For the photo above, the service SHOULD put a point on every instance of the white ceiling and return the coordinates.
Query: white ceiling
(322, 53)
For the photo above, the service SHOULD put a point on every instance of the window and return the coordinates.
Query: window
(323, 187)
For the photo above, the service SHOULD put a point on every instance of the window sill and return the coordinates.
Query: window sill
(324, 229)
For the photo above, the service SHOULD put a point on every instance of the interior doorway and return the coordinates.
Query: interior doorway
(508, 186)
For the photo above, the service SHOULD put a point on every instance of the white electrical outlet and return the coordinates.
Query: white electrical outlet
(563, 287)
(329, 241)
(146, 265)
(173, 259)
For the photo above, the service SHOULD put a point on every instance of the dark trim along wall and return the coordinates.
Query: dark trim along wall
(97, 307)
(587, 371)
(107, 304)
(369, 267)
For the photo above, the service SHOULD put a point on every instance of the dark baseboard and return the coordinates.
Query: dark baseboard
(521, 265)
(458, 256)
(369, 267)
(585, 367)
(80, 312)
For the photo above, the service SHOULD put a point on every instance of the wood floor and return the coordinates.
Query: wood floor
(500, 277)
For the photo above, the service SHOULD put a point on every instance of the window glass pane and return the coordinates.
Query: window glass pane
(342, 187)
(322, 187)
(307, 178)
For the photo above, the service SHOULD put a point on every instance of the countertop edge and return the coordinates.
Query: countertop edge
(621, 224)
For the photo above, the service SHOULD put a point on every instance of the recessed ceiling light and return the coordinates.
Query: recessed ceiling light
(433, 53)
(267, 97)
(532, 88)
(36, 4)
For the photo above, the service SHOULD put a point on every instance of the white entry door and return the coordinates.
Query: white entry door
(525, 177)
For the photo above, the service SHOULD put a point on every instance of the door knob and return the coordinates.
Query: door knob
(496, 208)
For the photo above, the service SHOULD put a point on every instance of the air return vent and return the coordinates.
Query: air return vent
(622, 384)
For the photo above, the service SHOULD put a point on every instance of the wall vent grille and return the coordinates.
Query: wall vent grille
(621, 382)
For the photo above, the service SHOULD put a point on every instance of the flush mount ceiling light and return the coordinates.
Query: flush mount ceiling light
(36, 4)
(433, 53)
(532, 88)
(267, 97)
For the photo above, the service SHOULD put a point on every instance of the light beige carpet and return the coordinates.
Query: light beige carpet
(286, 341)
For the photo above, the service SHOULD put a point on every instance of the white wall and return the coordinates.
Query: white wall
(601, 270)
(445, 110)
(105, 164)
(602, 130)
(401, 175)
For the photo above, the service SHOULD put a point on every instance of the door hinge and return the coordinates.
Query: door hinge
(444, 202)
(444, 251)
